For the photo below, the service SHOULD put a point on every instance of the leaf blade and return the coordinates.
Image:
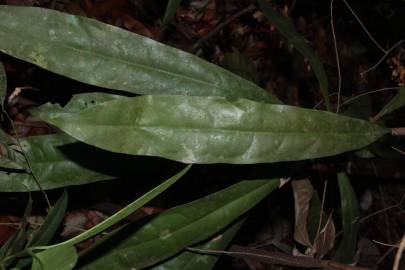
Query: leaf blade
(171, 8)
(103, 55)
(350, 214)
(178, 227)
(215, 130)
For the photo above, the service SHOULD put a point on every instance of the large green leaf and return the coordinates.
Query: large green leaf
(103, 55)
(395, 103)
(49, 156)
(188, 260)
(350, 213)
(171, 8)
(286, 28)
(171, 231)
(214, 129)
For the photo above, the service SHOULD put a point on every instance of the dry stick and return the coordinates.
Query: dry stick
(397, 205)
(279, 258)
(369, 92)
(362, 26)
(398, 150)
(398, 131)
(399, 254)
(382, 58)
(222, 25)
(31, 171)
(337, 56)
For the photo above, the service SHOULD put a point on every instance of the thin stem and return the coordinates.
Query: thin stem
(27, 160)
(337, 56)
(367, 93)
(364, 28)
(222, 25)
(382, 58)
(396, 149)
(399, 253)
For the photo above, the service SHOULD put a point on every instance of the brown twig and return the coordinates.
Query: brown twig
(398, 131)
(383, 210)
(278, 258)
(398, 255)
(222, 25)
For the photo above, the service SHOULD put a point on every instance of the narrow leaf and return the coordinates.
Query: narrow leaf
(286, 28)
(103, 55)
(179, 227)
(61, 258)
(126, 211)
(215, 130)
(188, 260)
(302, 196)
(49, 156)
(51, 222)
(395, 103)
(171, 8)
(350, 214)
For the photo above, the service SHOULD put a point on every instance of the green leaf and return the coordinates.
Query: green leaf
(215, 130)
(179, 227)
(188, 260)
(127, 210)
(49, 156)
(3, 85)
(51, 222)
(103, 55)
(286, 28)
(350, 213)
(171, 8)
(395, 103)
(17, 241)
(61, 258)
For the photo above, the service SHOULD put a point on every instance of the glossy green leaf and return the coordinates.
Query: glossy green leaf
(49, 157)
(3, 85)
(188, 260)
(179, 227)
(214, 129)
(103, 55)
(51, 222)
(286, 28)
(61, 258)
(171, 8)
(350, 213)
(127, 210)
(395, 103)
